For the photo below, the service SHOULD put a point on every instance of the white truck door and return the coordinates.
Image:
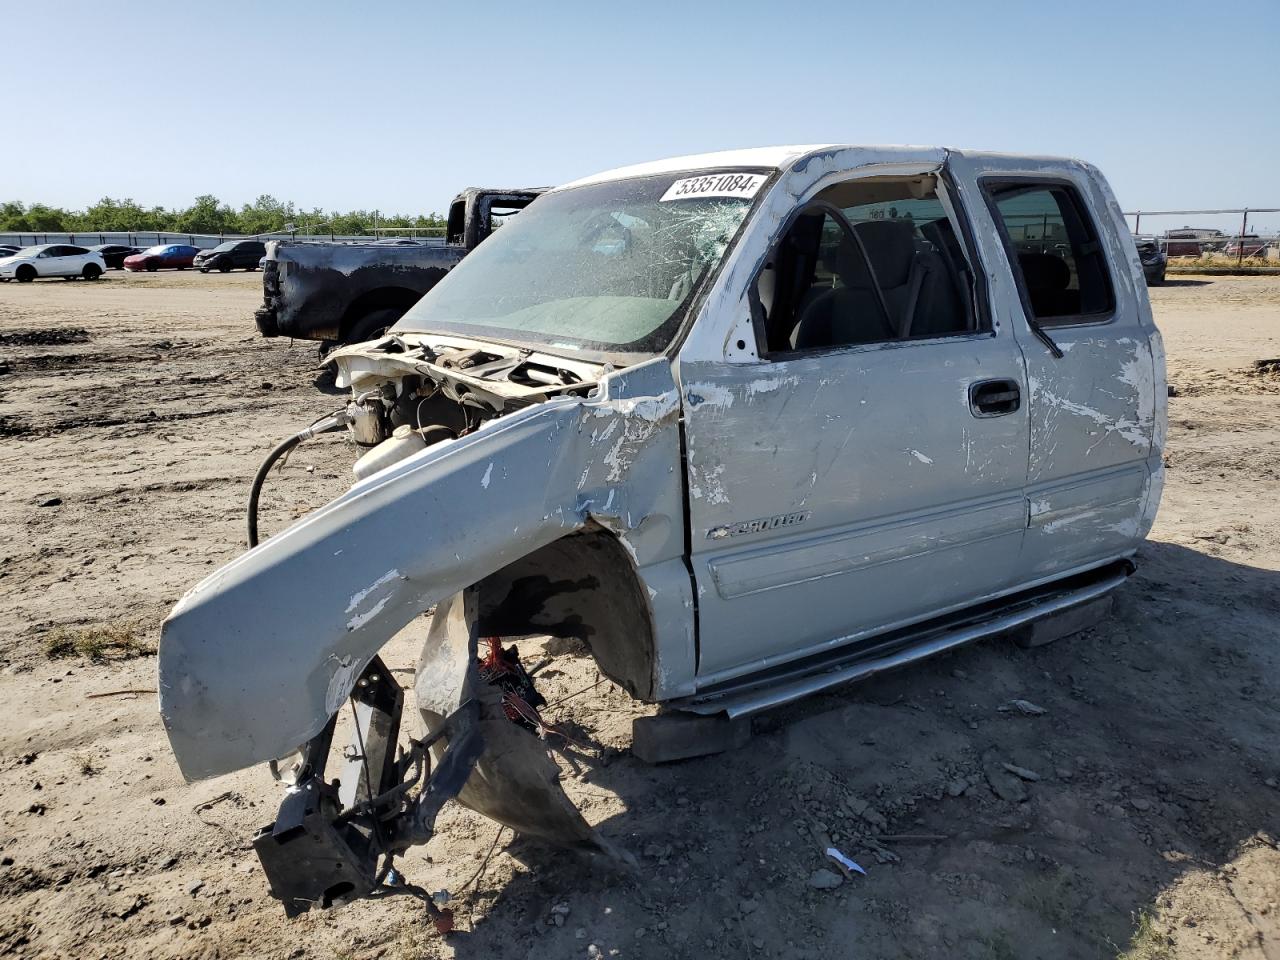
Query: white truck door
(1068, 267)
(867, 471)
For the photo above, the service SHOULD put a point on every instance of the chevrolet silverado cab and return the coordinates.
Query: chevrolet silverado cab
(754, 424)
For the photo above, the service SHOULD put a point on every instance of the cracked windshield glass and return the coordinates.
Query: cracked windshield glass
(606, 268)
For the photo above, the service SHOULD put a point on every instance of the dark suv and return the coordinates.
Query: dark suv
(231, 255)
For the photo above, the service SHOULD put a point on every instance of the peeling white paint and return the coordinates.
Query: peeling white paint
(360, 619)
(920, 456)
(1136, 432)
(711, 394)
(484, 481)
(651, 409)
(769, 385)
(1128, 527)
(358, 598)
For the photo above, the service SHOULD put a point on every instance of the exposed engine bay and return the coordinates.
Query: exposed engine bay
(439, 386)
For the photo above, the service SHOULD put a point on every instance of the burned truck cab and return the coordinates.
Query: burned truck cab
(749, 425)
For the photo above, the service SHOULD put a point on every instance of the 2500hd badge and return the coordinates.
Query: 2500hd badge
(757, 526)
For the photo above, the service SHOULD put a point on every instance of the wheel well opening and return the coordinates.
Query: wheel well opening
(384, 298)
(582, 587)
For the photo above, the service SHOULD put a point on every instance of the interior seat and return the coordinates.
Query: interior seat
(851, 313)
(1047, 278)
(945, 305)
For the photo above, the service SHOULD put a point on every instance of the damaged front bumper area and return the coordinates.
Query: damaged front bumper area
(334, 842)
(258, 660)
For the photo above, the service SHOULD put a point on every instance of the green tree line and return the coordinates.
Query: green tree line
(207, 215)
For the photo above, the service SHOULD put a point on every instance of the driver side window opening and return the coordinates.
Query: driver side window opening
(868, 261)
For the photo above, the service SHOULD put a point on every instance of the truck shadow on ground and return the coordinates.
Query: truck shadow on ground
(1153, 765)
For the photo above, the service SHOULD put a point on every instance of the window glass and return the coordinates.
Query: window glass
(868, 261)
(604, 267)
(1055, 251)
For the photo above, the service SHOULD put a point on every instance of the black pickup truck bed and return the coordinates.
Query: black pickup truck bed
(349, 292)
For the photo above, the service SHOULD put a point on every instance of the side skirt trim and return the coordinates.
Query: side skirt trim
(754, 694)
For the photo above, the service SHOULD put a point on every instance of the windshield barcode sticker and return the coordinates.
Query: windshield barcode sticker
(715, 185)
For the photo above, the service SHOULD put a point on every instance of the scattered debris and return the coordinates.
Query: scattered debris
(118, 693)
(844, 861)
(51, 502)
(206, 804)
(1022, 772)
(1006, 785)
(1024, 707)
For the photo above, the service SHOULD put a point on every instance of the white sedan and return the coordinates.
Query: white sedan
(52, 260)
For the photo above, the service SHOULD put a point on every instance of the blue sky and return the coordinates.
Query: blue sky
(398, 105)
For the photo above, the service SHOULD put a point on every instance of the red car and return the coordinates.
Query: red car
(166, 256)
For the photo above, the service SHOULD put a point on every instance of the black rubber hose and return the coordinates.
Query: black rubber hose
(327, 425)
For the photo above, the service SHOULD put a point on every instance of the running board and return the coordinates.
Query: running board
(741, 698)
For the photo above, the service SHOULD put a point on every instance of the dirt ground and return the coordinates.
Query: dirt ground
(135, 410)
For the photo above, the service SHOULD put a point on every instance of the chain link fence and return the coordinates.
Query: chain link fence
(1228, 234)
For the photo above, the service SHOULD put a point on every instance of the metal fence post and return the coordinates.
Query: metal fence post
(1244, 226)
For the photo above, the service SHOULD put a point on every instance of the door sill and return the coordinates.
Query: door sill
(887, 651)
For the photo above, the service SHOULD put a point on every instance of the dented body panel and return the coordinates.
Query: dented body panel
(1095, 468)
(730, 519)
(297, 619)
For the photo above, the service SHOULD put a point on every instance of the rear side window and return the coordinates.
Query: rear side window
(1055, 251)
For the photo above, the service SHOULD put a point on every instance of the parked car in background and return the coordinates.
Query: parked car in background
(8, 249)
(1154, 260)
(167, 256)
(113, 254)
(52, 260)
(1192, 241)
(232, 255)
(1253, 246)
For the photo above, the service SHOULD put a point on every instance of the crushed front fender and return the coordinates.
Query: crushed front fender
(255, 659)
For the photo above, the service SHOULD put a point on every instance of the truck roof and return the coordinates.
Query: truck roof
(779, 157)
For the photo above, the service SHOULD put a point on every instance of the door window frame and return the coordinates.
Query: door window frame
(987, 185)
(953, 205)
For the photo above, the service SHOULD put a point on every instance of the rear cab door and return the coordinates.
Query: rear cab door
(1063, 261)
(855, 460)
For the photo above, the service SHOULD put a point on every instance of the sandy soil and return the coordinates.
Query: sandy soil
(134, 412)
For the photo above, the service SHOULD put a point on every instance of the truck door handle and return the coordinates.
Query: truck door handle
(994, 398)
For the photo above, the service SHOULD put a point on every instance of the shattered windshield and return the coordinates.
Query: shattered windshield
(606, 267)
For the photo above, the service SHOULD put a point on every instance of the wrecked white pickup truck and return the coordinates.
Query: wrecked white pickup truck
(751, 424)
